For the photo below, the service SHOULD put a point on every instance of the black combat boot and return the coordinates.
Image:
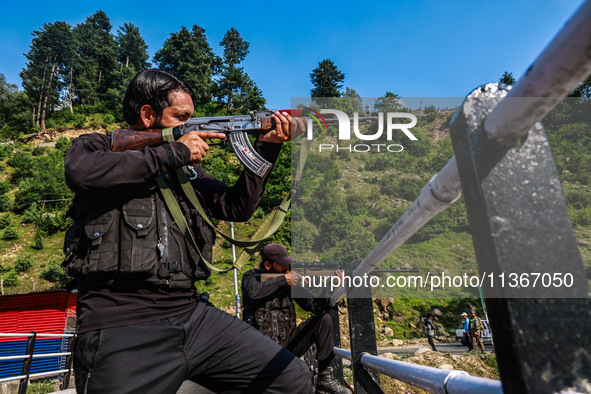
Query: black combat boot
(326, 383)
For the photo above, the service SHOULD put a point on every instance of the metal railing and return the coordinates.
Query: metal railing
(433, 380)
(510, 120)
(25, 376)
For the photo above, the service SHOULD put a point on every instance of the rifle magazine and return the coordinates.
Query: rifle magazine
(248, 156)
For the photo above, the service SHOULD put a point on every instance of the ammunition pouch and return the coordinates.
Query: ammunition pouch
(133, 244)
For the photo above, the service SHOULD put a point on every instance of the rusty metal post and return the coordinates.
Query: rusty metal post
(337, 363)
(26, 371)
(68, 364)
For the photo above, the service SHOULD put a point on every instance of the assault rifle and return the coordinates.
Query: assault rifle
(307, 269)
(236, 128)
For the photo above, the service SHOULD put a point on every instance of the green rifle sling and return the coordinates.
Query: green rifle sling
(279, 210)
(271, 223)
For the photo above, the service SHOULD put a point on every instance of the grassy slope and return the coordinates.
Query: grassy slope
(450, 251)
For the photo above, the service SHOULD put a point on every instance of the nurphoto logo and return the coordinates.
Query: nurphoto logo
(393, 124)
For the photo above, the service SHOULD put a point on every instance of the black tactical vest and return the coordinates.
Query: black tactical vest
(134, 243)
(273, 315)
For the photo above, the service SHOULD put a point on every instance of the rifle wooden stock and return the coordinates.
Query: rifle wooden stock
(126, 139)
(265, 276)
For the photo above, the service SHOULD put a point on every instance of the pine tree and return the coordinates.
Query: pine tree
(97, 58)
(507, 78)
(187, 54)
(132, 50)
(234, 88)
(50, 55)
(327, 80)
(132, 55)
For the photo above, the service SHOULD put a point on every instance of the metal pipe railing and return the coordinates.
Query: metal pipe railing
(38, 335)
(568, 61)
(29, 356)
(26, 356)
(35, 375)
(433, 380)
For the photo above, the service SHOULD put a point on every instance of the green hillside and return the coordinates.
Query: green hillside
(345, 204)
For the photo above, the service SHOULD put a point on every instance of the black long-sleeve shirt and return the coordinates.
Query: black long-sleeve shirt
(96, 174)
(275, 294)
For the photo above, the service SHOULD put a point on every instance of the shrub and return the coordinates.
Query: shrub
(30, 214)
(259, 213)
(430, 113)
(39, 150)
(23, 167)
(379, 163)
(421, 147)
(6, 149)
(38, 241)
(407, 188)
(11, 233)
(45, 182)
(357, 204)
(55, 273)
(578, 198)
(63, 144)
(41, 387)
(583, 217)
(96, 121)
(4, 203)
(11, 279)
(79, 121)
(62, 117)
(109, 119)
(23, 263)
(51, 223)
(5, 221)
(4, 200)
(303, 236)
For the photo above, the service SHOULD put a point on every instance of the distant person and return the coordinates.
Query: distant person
(430, 329)
(268, 306)
(467, 340)
(476, 331)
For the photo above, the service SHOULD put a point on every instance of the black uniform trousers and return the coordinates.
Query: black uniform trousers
(319, 330)
(207, 346)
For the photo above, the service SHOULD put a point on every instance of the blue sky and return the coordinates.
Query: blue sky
(412, 48)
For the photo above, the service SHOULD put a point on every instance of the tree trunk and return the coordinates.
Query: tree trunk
(71, 90)
(127, 62)
(229, 108)
(44, 109)
(37, 118)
